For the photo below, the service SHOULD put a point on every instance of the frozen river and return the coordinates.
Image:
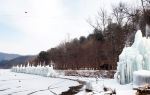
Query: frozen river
(25, 84)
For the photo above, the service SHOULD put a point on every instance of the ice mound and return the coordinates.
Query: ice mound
(141, 78)
(133, 58)
(47, 71)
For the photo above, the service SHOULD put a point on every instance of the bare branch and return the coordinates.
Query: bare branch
(90, 23)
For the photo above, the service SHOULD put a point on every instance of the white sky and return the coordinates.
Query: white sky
(46, 24)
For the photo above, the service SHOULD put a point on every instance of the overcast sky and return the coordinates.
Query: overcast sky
(46, 23)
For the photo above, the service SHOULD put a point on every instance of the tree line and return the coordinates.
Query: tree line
(100, 49)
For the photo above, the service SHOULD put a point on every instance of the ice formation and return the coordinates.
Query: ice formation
(141, 78)
(89, 86)
(133, 58)
(39, 70)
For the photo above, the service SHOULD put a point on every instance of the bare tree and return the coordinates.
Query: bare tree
(118, 12)
(100, 20)
(145, 4)
(94, 25)
(102, 15)
(146, 11)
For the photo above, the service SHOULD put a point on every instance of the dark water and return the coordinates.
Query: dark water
(73, 90)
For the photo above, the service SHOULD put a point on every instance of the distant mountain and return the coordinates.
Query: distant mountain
(16, 61)
(6, 56)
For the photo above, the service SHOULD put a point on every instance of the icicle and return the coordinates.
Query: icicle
(134, 58)
(39, 70)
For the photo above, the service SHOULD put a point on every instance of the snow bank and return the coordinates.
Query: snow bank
(47, 71)
(134, 58)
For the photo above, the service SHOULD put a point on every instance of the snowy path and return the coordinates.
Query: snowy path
(25, 84)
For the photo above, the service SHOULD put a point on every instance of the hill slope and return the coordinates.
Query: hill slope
(6, 56)
(19, 60)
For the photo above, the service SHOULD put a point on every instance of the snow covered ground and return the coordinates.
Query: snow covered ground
(111, 83)
(25, 84)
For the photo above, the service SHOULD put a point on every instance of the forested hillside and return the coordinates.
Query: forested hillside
(100, 49)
